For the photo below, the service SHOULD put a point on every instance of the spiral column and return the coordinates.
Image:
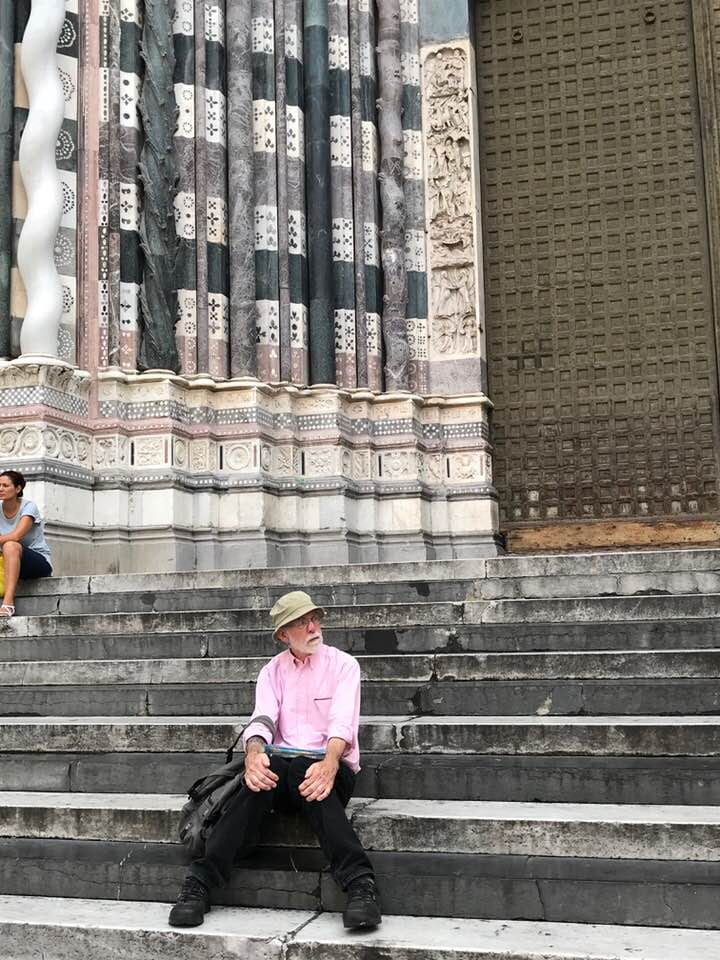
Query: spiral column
(7, 36)
(36, 261)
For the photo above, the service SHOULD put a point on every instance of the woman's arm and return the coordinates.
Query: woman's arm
(23, 527)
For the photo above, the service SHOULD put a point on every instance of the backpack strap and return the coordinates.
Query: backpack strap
(265, 720)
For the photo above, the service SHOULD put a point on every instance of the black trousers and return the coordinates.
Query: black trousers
(237, 832)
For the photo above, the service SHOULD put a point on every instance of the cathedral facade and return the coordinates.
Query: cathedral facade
(307, 281)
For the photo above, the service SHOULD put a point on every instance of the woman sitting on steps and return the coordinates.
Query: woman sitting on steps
(25, 551)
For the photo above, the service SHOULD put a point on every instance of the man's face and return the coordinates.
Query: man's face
(304, 635)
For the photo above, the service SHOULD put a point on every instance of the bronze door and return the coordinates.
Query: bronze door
(600, 335)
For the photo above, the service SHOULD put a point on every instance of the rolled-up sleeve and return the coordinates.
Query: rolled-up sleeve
(267, 704)
(345, 708)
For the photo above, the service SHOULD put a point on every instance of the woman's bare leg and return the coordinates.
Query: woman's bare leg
(12, 552)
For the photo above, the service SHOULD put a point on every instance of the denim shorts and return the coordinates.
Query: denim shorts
(33, 565)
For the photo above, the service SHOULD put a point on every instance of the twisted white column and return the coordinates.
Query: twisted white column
(36, 261)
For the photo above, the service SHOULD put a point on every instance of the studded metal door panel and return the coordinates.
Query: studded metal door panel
(601, 351)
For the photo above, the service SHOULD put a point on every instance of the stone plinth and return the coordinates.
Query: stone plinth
(170, 473)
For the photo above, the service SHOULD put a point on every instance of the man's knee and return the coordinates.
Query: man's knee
(11, 548)
(297, 770)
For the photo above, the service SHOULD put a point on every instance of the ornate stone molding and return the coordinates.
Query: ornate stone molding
(340, 474)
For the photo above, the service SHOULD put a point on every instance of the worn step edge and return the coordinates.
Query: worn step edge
(76, 929)
(680, 607)
(582, 665)
(579, 736)
(555, 565)
(605, 831)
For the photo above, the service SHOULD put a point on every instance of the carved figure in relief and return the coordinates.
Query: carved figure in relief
(454, 326)
(447, 92)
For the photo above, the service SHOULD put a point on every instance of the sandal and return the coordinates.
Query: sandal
(7, 610)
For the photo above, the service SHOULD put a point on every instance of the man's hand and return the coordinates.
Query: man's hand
(258, 775)
(319, 779)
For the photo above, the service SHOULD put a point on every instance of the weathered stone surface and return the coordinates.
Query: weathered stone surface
(75, 929)
(588, 609)
(486, 716)
(614, 832)
(426, 938)
(619, 736)
(152, 734)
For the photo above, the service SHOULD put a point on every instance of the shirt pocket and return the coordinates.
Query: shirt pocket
(321, 712)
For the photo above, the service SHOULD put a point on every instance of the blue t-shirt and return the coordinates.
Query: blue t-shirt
(34, 539)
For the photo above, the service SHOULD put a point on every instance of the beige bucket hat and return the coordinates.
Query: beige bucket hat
(291, 606)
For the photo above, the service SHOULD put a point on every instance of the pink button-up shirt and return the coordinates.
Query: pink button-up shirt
(310, 701)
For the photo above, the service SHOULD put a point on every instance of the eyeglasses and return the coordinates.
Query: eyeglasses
(309, 618)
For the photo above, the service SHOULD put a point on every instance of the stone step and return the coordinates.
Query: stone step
(669, 893)
(679, 571)
(113, 930)
(581, 610)
(644, 736)
(153, 600)
(612, 832)
(515, 698)
(447, 776)
(459, 667)
(388, 640)
(662, 682)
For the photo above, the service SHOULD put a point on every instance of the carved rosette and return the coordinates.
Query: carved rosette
(451, 202)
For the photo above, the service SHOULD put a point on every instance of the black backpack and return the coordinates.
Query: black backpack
(210, 795)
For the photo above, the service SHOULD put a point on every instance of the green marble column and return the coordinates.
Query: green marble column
(7, 46)
(317, 171)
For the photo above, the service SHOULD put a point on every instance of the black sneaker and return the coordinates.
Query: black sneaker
(362, 908)
(193, 903)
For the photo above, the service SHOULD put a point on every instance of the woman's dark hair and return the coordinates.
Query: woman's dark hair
(16, 478)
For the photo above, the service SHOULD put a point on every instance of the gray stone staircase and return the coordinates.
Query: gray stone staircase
(541, 754)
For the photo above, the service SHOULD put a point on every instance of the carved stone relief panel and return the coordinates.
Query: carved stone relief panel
(451, 203)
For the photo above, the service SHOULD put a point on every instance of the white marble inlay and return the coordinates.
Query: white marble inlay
(129, 305)
(130, 86)
(295, 133)
(266, 230)
(129, 208)
(343, 239)
(215, 117)
(369, 147)
(185, 215)
(264, 139)
(340, 141)
(296, 232)
(187, 311)
(263, 35)
(185, 99)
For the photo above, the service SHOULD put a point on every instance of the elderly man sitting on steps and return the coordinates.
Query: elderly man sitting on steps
(312, 694)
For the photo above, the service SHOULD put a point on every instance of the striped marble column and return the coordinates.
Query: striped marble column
(187, 83)
(38, 169)
(7, 66)
(341, 195)
(414, 187)
(265, 186)
(319, 219)
(295, 160)
(367, 213)
(281, 109)
(126, 145)
(216, 197)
